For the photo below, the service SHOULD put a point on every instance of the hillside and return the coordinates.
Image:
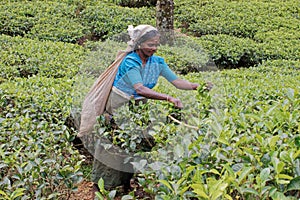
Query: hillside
(239, 141)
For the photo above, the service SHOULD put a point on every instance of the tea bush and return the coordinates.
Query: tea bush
(135, 3)
(234, 52)
(280, 44)
(230, 51)
(271, 28)
(107, 20)
(23, 57)
(37, 158)
(246, 147)
(238, 18)
(186, 55)
(42, 20)
(239, 141)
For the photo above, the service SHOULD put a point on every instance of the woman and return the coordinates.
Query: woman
(137, 74)
(140, 70)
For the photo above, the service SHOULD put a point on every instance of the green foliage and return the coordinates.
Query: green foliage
(238, 18)
(23, 57)
(242, 34)
(135, 3)
(108, 20)
(233, 52)
(37, 159)
(69, 21)
(100, 56)
(239, 141)
(103, 193)
(56, 29)
(186, 55)
(230, 51)
(279, 44)
(46, 21)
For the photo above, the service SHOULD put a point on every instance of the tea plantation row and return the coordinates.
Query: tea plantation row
(247, 147)
(64, 22)
(244, 141)
(236, 34)
(239, 141)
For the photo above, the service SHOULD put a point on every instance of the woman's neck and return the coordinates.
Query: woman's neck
(143, 57)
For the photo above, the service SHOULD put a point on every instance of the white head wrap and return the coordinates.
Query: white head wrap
(136, 33)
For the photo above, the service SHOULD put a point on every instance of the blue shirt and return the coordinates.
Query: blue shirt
(131, 71)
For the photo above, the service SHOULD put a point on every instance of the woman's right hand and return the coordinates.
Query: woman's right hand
(177, 103)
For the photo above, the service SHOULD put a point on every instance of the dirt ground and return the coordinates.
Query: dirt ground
(84, 191)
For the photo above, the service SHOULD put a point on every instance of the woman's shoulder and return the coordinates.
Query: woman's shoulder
(158, 59)
(132, 57)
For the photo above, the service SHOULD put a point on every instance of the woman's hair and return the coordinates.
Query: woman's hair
(146, 36)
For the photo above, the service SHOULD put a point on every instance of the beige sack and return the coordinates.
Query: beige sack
(95, 101)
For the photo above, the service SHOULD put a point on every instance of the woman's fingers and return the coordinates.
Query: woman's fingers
(177, 103)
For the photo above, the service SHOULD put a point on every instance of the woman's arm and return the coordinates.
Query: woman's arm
(151, 94)
(186, 85)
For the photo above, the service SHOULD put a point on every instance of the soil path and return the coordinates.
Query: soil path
(84, 191)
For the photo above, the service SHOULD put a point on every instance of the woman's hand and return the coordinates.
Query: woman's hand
(177, 103)
(148, 93)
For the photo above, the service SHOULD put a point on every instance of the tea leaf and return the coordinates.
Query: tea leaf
(250, 191)
(127, 197)
(101, 185)
(265, 174)
(167, 184)
(294, 184)
(285, 176)
(244, 174)
(199, 190)
(273, 141)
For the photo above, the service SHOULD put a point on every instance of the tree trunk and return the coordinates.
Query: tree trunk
(165, 20)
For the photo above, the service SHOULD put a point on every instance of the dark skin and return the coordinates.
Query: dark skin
(147, 49)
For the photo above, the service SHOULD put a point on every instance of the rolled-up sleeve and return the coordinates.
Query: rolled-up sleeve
(134, 76)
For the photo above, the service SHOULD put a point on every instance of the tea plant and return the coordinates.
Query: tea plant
(24, 58)
(242, 34)
(239, 141)
(42, 20)
(245, 147)
(37, 158)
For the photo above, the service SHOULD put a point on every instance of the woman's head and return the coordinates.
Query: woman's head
(141, 34)
(148, 47)
(152, 35)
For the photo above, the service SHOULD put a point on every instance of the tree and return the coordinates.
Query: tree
(165, 20)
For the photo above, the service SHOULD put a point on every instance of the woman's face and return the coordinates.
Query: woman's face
(149, 47)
